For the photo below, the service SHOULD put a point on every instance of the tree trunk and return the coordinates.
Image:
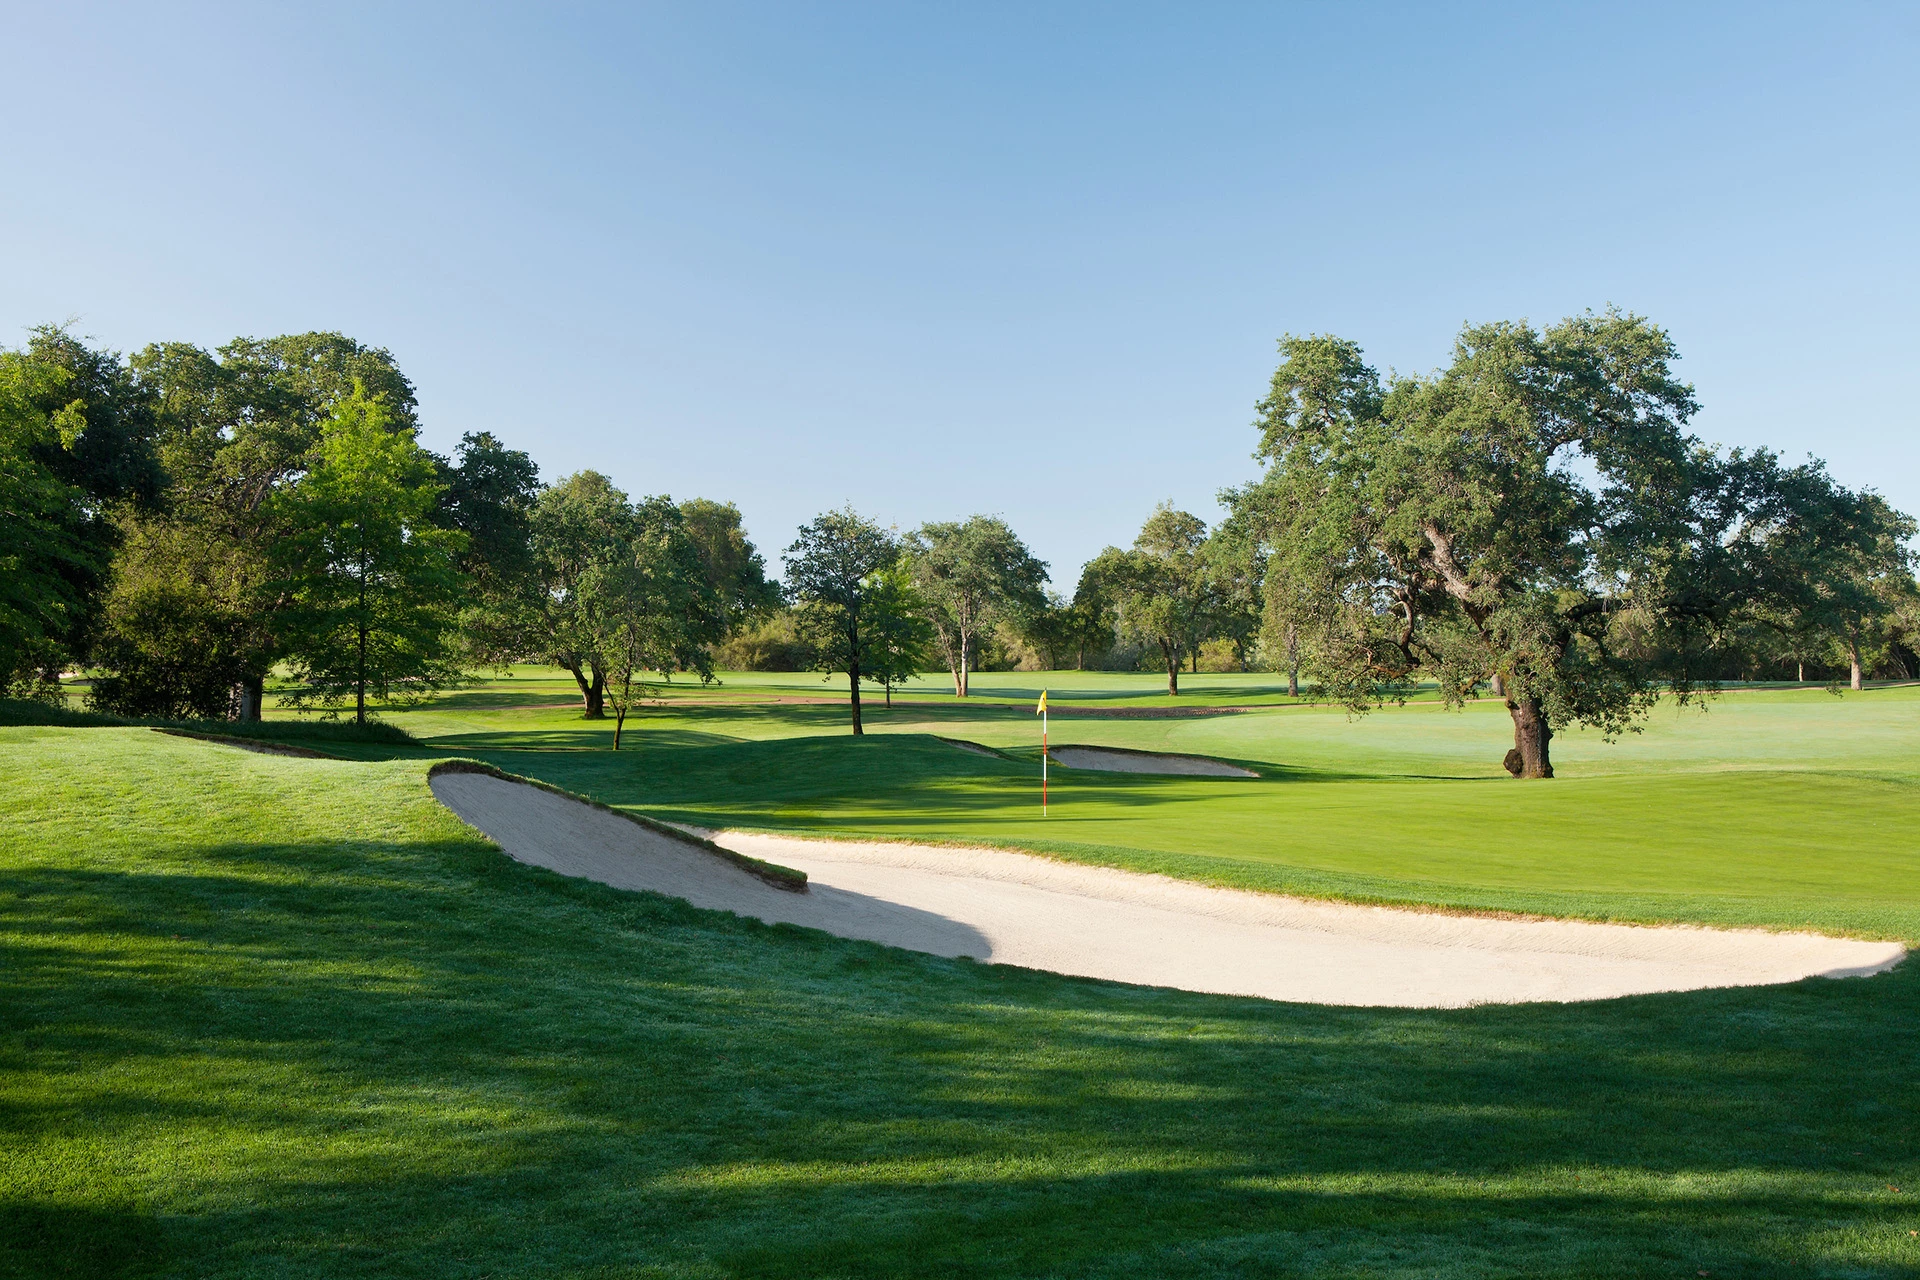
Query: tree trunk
(1293, 662)
(1531, 734)
(1853, 659)
(853, 690)
(360, 681)
(619, 723)
(593, 693)
(253, 692)
(1172, 655)
(965, 637)
(1800, 673)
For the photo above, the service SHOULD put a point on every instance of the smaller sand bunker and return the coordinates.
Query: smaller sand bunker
(1096, 922)
(1108, 760)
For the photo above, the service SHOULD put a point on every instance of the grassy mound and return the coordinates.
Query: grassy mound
(20, 712)
(279, 1017)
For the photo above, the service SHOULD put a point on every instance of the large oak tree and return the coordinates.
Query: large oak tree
(1535, 512)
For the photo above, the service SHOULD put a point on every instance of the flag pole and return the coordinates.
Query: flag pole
(1042, 710)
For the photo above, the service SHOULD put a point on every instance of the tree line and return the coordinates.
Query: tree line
(1533, 520)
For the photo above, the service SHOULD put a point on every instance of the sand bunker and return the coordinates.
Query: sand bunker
(973, 747)
(1012, 908)
(1111, 761)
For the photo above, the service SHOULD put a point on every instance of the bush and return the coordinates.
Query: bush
(770, 645)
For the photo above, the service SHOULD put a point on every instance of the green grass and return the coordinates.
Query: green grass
(269, 1017)
(1787, 808)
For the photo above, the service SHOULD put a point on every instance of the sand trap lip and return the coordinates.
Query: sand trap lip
(258, 745)
(1119, 760)
(1012, 908)
(973, 747)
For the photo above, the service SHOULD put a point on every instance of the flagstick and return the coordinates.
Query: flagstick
(1043, 761)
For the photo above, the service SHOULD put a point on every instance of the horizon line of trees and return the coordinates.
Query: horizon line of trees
(185, 523)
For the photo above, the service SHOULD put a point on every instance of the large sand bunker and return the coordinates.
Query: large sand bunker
(1012, 908)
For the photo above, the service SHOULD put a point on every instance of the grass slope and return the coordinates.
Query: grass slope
(277, 1017)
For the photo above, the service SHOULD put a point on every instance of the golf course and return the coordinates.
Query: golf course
(916, 642)
(286, 1015)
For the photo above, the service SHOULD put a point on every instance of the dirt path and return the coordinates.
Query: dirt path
(1012, 908)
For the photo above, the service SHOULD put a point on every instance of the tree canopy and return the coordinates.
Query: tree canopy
(735, 569)
(371, 582)
(1534, 511)
(50, 550)
(971, 574)
(579, 524)
(833, 573)
(1162, 590)
(648, 605)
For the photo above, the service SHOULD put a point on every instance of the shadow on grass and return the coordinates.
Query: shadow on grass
(314, 1056)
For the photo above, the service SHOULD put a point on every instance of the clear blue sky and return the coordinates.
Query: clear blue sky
(940, 259)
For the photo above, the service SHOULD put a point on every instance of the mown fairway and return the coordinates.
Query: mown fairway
(275, 1017)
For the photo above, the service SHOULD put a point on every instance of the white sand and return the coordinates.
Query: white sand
(1012, 908)
(1146, 762)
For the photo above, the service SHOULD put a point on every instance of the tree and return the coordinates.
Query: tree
(1051, 631)
(897, 631)
(1838, 564)
(80, 440)
(1091, 619)
(580, 524)
(831, 571)
(489, 495)
(650, 606)
(371, 581)
(1443, 526)
(48, 554)
(735, 569)
(1235, 564)
(180, 631)
(111, 457)
(972, 574)
(1280, 588)
(234, 429)
(1162, 589)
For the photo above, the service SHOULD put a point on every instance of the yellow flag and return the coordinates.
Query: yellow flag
(1043, 703)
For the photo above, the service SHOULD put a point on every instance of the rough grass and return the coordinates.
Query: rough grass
(276, 1017)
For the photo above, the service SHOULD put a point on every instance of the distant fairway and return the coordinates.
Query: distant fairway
(1776, 807)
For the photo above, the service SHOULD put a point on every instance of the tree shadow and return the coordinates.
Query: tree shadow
(372, 1049)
